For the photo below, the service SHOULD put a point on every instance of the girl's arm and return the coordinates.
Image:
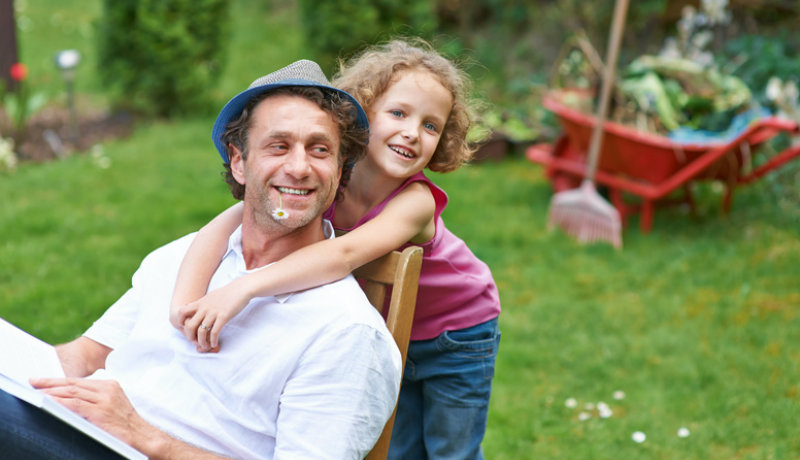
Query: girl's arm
(201, 261)
(407, 217)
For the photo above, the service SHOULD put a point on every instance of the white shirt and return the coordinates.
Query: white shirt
(313, 374)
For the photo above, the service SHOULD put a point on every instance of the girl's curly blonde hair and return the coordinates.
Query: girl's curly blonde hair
(369, 74)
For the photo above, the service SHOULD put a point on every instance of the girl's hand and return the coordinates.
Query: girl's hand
(177, 315)
(203, 319)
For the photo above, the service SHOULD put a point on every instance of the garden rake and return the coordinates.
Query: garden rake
(582, 212)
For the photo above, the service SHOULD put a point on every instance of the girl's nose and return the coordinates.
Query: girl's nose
(409, 133)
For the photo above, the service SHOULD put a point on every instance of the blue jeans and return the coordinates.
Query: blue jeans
(27, 432)
(444, 399)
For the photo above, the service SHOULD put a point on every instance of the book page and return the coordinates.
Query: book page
(23, 356)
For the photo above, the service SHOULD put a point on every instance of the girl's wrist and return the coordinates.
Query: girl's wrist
(246, 287)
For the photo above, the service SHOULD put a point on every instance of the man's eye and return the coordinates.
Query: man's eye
(320, 151)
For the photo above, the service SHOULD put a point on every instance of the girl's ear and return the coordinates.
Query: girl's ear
(237, 164)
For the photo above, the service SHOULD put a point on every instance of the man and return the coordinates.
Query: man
(313, 374)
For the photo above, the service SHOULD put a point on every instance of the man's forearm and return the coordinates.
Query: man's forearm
(158, 445)
(82, 356)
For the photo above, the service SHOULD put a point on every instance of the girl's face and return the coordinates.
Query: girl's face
(406, 122)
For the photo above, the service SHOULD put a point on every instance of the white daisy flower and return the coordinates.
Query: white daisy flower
(604, 411)
(683, 432)
(572, 403)
(619, 394)
(638, 436)
(584, 416)
(280, 214)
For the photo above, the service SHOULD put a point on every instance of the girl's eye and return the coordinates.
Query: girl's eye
(431, 127)
(397, 113)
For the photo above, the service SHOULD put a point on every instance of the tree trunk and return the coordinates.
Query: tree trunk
(8, 43)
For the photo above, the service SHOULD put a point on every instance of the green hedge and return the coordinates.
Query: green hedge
(160, 57)
(335, 28)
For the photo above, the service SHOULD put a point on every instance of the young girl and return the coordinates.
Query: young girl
(416, 103)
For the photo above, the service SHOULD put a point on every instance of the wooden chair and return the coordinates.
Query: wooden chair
(401, 271)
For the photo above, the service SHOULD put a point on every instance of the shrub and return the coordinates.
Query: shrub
(160, 57)
(757, 58)
(334, 28)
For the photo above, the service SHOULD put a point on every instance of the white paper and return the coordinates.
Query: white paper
(23, 356)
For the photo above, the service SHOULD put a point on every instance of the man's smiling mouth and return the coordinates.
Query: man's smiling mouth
(293, 191)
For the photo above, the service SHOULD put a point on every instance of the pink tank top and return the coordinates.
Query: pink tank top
(456, 289)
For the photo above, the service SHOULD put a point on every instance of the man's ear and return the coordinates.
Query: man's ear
(237, 164)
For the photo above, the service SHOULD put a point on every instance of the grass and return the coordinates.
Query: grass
(696, 321)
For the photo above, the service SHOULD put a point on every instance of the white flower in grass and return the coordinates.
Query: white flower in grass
(683, 432)
(571, 403)
(584, 416)
(99, 157)
(638, 436)
(604, 410)
(589, 406)
(619, 394)
(8, 159)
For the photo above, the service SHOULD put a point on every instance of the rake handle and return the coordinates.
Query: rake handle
(617, 26)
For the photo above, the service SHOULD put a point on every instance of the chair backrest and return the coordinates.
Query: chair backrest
(400, 270)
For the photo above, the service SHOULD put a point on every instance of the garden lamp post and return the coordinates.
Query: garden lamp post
(67, 61)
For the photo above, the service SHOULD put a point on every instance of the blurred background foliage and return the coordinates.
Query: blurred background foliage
(161, 57)
(164, 58)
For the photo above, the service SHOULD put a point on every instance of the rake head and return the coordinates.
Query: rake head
(585, 215)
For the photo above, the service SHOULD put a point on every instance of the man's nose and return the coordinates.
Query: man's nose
(297, 163)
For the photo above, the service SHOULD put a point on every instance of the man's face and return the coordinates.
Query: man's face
(292, 162)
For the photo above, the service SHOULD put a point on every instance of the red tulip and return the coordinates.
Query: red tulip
(19, 71)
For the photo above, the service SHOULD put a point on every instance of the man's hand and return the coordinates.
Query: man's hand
(103, 403)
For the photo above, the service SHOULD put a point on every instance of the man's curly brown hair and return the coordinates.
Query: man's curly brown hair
(352, 142)
(370, 73)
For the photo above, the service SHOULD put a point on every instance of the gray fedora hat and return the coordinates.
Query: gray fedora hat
(299, 73)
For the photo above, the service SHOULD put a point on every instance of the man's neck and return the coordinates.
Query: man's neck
(263, 245)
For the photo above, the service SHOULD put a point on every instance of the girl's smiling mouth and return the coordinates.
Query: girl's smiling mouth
(402, 151)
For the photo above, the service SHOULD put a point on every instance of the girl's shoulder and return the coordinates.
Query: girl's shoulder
(439, 195)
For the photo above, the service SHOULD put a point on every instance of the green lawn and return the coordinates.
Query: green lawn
(696, 322)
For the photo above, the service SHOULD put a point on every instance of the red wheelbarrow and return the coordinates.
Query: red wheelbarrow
(652, 167)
